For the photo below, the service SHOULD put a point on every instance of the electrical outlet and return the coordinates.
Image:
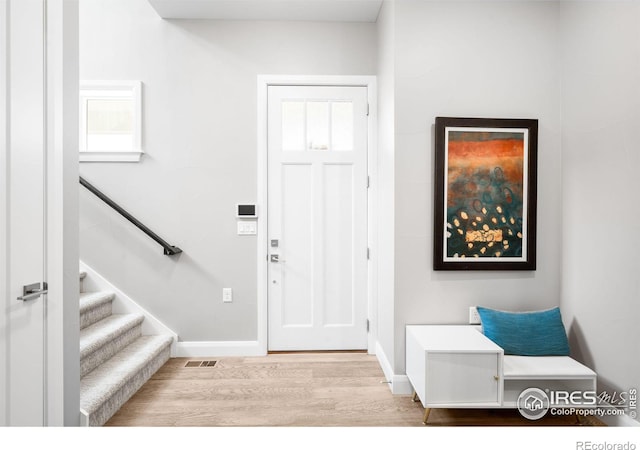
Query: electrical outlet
(227, 295)
(474, 317)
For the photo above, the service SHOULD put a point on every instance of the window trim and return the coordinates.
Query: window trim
(92, 90)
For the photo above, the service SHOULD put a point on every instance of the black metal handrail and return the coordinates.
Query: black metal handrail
(168, 249)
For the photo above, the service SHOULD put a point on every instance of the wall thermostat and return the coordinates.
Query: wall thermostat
(246, 211)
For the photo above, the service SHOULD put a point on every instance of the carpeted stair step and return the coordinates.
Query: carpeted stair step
(95, 306)
(104, 390)
(103, 339)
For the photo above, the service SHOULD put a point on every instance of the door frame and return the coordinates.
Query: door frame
(62, 89)
(4, 185)
(264, 81)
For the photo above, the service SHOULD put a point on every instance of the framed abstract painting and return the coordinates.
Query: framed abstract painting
(485, 194)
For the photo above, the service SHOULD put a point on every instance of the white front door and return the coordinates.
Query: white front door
(317, 217)
(22, 205)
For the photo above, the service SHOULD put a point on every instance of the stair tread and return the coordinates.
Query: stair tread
(95, 336)
(90, 300)
(99, 385)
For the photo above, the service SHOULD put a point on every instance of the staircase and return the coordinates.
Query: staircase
(116, 358)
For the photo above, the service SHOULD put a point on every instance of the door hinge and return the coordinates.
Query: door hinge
(368, 253)
(367, 109)
(368, 181)
(367, 325)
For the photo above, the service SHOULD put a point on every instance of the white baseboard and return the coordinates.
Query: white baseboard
(123, 304)
(384, 363)
(84, 418)
(212, 349)
(399, 384)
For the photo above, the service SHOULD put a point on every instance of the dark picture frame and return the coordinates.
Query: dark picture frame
(485, 194)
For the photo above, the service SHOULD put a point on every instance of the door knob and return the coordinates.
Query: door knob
(276, 258)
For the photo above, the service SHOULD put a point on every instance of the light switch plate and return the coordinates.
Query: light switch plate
(247, 227)
(227, 295)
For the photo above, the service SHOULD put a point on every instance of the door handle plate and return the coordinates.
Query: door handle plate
(32, 291)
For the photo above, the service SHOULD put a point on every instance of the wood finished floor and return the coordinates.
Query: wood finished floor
(297, 389)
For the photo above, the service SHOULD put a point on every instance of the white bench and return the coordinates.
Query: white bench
(456, 366)
(555, 373)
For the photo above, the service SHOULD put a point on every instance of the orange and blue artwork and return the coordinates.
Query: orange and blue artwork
(485, 193)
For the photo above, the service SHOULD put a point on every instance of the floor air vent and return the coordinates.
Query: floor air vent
(200, 364)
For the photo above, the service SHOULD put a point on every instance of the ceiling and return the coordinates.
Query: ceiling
(305, 10)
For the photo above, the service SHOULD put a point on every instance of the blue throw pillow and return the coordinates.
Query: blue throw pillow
(536, 333)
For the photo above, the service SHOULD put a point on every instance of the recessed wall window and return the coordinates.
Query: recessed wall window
(110, 121)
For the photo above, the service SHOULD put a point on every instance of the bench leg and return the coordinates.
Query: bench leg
(427, 411)
(415, 396)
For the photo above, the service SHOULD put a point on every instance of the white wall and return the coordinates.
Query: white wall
(385, 187)
(601, 162)
(471, 59)
(200, 114)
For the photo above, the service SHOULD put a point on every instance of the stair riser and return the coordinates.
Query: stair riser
(102, 354)
(95, 315)
(119, 398)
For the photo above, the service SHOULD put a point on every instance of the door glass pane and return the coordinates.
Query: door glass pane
(342, 126)
(318, 125)
(293, 125)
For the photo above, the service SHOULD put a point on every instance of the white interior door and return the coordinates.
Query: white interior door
(317, 217)
(22, 208)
